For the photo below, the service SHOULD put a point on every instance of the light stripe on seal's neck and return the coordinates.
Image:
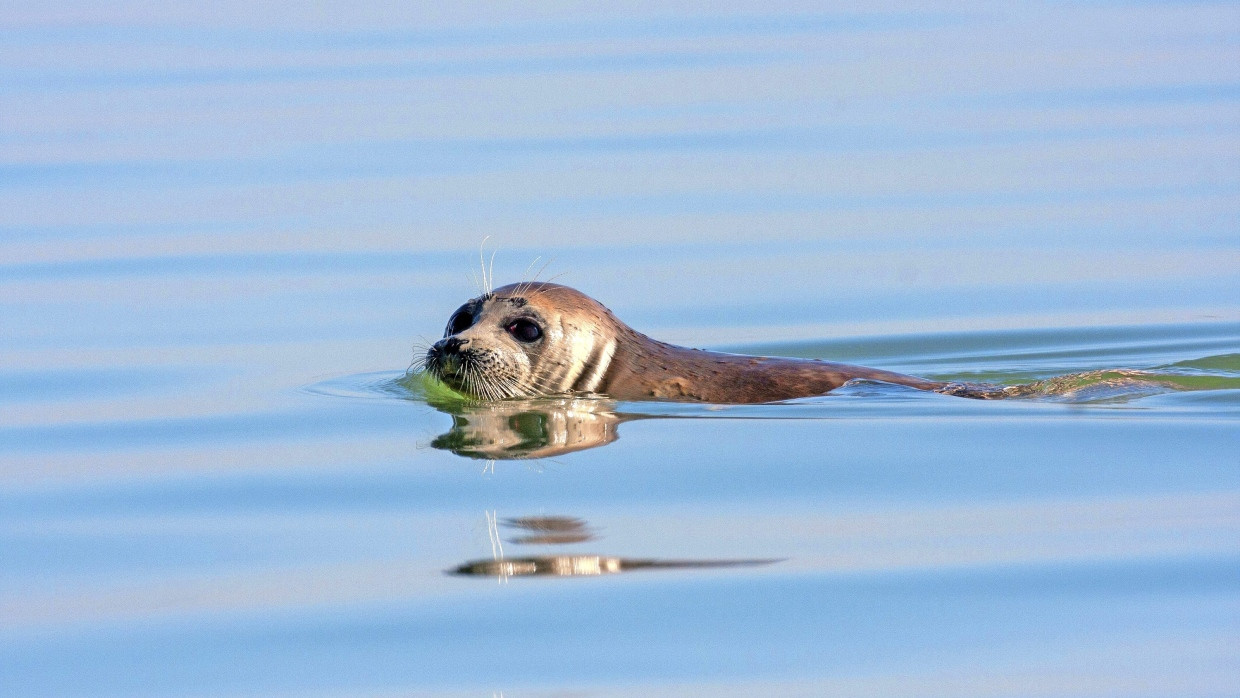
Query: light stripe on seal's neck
(601, 360)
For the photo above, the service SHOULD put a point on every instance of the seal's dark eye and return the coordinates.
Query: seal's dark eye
(460, 322)
(524, 330)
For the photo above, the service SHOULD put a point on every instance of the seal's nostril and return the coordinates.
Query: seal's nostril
(453, 344)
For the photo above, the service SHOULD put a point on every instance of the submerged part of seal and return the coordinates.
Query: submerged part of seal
(537, 339)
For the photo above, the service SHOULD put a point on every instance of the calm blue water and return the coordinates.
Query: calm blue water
(223, 230)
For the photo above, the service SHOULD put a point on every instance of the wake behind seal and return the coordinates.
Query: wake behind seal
(541, 339)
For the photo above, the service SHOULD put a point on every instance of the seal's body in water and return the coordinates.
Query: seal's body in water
(536, 339)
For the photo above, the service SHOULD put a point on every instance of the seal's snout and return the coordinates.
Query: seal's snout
(444, 358)
(451, 345)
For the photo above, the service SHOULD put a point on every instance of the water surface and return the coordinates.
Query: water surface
(222, 234)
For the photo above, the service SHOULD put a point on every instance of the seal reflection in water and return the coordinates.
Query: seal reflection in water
(527, 429)
(586, 566)
(543, 339)
(566, 530)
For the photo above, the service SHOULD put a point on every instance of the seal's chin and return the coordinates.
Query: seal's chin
(448, 367)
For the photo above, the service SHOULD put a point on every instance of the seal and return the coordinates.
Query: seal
(541, 339)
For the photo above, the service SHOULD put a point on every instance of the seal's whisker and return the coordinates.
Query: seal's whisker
(553, 278)
(508, 386)
(526, 273)
(477, 384)
(536, 292)
(421, 349)
(540, 384)
(501, 389)
(491, 273)
(482, 262)
(515, 389)
(485, 385)
(542, 269)
(467, 382)
(525, 286)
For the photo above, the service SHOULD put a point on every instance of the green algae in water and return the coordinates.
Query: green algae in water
(1224, 362)
(425, 386)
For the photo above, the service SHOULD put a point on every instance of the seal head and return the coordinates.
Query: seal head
(526, 340)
